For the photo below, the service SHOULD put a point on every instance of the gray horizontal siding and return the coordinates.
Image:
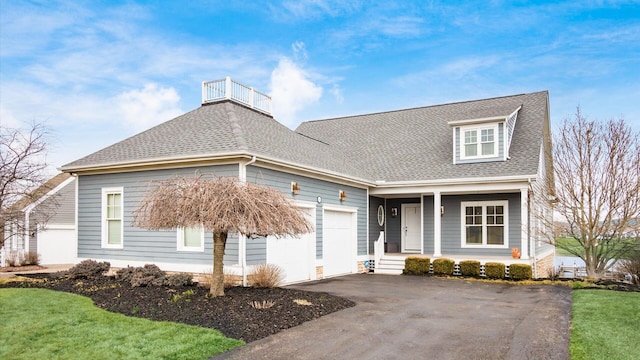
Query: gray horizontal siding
(60, 207)
(140, 244)
(451, 224)
(374, 227)
(310, 189)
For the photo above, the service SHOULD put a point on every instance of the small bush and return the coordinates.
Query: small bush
(125, 274)
(89, 269)
(470, 268)
(520, 272)
(267, 275)
(31, 258)
(416, 265)
(149, 274)
(180, 279)
(443, 266)
(631, 267)
(494, 270)
(14, 258)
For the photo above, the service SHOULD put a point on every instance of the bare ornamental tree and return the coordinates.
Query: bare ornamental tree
(597, 177)
(222, 206)
(22, 165)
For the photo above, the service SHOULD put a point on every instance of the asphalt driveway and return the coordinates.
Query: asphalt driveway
(411, 317)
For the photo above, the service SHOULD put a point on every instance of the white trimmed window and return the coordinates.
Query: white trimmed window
(485, 224)
(191, 239)
(112, 224)
(479, 142)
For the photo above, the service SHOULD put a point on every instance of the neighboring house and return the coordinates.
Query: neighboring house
(467, 180)
(43, 223)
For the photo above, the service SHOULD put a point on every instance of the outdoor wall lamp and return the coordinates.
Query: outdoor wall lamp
(295, 188)
(342, 195)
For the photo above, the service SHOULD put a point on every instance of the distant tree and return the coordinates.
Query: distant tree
(597, 177)
(22, 169)
(222, 206)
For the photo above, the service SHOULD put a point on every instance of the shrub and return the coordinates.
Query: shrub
(14, 258)
(494, 270)
(266, 275)
(31, 258)
(443, 266)
(470, 268)
(416, 265)
(149, 274)
(631, 267)
(180, 279)
(125, 274)
(89, 269)
(520, 271)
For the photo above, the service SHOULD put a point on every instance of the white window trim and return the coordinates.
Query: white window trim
(103, 215)
(484, 204)
(478, 129)
(182, 247)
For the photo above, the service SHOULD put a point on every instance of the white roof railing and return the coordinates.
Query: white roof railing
(228, 89)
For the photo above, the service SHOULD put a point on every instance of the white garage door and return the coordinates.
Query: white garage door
(295, 255)
(57, 246)
(338, 243)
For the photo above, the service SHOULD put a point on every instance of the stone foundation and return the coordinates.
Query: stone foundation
(544, 267)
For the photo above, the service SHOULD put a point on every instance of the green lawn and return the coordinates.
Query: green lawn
(45, 324)
(605, 325)
(567, 242)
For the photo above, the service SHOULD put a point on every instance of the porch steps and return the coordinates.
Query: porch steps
(389, 265)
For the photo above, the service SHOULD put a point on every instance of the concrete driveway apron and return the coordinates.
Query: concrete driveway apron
(411, 317)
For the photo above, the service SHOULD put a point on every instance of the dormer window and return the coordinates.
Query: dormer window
(479, 142)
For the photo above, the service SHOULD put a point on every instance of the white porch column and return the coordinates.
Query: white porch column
(437, 218)
(524, 223)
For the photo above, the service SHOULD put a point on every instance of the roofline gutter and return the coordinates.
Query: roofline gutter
(461, 181)
(176, 161)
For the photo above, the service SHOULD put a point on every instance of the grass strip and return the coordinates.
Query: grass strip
(46, 324)
(605, 325)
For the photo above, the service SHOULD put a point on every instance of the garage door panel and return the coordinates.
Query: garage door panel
(338, 242)
(57, 246)
(295, 255)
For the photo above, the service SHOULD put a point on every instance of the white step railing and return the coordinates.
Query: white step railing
(378, 249)
(228, 89)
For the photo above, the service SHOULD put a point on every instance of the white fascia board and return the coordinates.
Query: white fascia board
(513, 184)
(227, 158)
(478, 120)
(174, 161)
(51, 192)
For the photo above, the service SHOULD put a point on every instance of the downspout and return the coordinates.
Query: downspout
(243, 238)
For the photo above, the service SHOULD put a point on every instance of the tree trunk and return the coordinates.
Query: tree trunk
(217, 280)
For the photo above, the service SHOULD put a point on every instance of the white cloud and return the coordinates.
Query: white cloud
(299, 51)
(336, 91)
(291, 90)
(151, 105)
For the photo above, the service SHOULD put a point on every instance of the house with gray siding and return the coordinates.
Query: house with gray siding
(44, 223)
(465, 180)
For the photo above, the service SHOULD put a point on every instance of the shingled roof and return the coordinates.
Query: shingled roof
(220, 129)
(404, 145)
(416, 144)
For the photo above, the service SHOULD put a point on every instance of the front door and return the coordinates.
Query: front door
(410, 218)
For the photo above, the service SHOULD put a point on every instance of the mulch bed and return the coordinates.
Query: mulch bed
(234, 315)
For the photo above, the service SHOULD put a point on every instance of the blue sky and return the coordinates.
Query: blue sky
(96, 72)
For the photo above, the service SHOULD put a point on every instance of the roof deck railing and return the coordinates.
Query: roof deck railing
(228, 89)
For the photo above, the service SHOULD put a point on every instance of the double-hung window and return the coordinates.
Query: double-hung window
(485, 224)
(479, 142)
(191, 239)
(112, 224)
